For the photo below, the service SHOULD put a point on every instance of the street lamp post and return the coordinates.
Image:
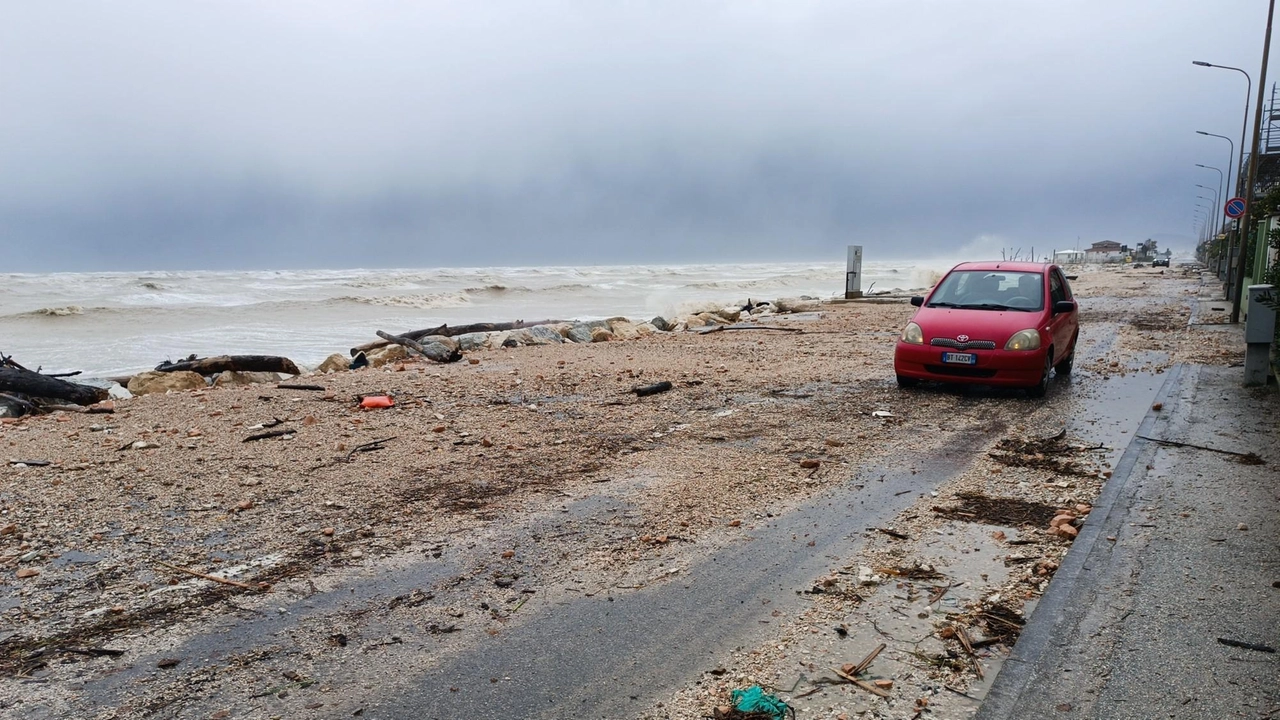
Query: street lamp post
(1230, 156)
(1244, 124)
(1221, 177)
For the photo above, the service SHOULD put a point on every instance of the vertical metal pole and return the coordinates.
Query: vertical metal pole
(1247, 228)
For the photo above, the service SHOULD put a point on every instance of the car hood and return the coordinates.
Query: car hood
(995, 325)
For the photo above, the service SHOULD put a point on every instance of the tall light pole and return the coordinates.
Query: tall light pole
(1217, 170)
(1239, 167)
(1217, 199)
(1230, 155)
(1253, 167)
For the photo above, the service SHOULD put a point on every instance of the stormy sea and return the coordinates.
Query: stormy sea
(121, 322)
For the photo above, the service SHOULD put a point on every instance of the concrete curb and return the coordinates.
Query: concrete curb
(1020, 669)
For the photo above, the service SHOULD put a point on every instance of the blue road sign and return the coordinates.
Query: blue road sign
(1235, 207)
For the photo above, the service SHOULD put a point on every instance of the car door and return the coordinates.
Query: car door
(1061, 326)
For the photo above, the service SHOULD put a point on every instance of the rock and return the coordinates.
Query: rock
(867, 576)
(449, 343)
(645, 329)
(579, 333)
(731, 314)
(154, 381)
(623, 329)
(1242, 526)
(796, 305)
(1060, 520)
(883, 683)
(810, 463)
(545, 335)
(709, 319)
(118, 392)
(1068, 530)
(600, 335)
(27, 573)
(1084, 509)
(473, 341)
(661, 323)
(235, 377)
(168, 662)
(334, 363)
(515, 338)
(383, 355)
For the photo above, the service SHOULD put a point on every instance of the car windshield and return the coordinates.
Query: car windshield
(990, 290)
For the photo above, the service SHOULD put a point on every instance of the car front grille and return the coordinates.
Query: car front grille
(956, 344)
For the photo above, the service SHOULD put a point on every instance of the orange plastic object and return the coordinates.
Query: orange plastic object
(377, 401)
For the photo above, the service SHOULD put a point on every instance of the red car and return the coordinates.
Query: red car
(991, 323)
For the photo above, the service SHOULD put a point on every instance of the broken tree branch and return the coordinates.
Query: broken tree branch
(432, 351)
(206, 576)
(240, 363)
(1252, 458)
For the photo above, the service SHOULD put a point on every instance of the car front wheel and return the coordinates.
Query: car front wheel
(1039, 389)
(907, 382)
(1064, 366)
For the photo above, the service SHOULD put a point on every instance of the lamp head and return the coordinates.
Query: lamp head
(1201, 132)
(1201, 63)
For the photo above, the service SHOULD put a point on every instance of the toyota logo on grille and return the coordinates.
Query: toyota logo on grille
(962, 338)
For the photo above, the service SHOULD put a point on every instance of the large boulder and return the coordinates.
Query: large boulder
(600, 335)
(235, 377)
(334, 363)
(545, 335)
(623, 329)
(579, 333)
(389, 354)
(448, 342)
(473, 341)
(661, 323)
(732, 314)
(709, 319)
(645, 329)
(155, 381)
(797, 305)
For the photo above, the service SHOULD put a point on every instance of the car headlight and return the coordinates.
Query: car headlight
(913, 334)
(1024, 340)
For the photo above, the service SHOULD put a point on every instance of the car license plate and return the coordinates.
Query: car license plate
(960, 358)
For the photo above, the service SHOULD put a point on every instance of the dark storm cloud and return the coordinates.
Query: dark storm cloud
(238, 134)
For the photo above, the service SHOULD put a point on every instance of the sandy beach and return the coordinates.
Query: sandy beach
(521, 495)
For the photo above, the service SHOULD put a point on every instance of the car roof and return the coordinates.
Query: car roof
(1004, 265)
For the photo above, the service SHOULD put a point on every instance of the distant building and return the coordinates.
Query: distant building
(1106, 251)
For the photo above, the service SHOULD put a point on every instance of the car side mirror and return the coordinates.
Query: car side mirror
(917, 300)
(1064, 306)
(1073, 277)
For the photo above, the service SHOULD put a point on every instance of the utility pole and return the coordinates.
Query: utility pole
(1246, 236)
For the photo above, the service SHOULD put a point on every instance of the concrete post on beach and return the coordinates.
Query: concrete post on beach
(853, 273)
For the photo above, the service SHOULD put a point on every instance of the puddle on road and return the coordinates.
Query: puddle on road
(1115, 406)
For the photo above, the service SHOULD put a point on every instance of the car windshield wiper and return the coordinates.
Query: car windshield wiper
(992, 306)
(941, 303)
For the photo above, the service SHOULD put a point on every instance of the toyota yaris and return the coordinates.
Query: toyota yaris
(991, 323)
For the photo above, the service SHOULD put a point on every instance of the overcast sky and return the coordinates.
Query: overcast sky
(325, 133)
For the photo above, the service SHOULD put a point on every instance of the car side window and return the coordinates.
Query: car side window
(1066, 287)
(1057, 289)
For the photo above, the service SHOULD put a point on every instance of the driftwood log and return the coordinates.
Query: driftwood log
(20, 381)
(455, 331)
(431, 351)
(239, 363)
